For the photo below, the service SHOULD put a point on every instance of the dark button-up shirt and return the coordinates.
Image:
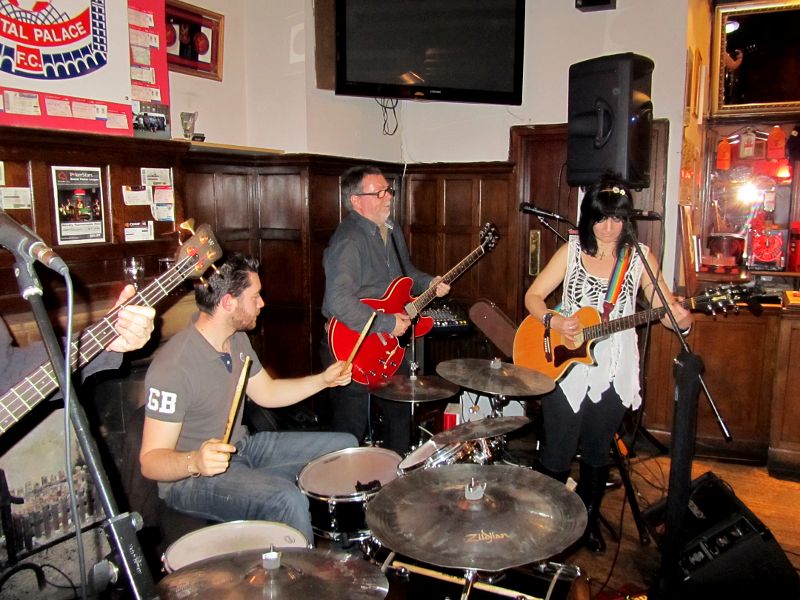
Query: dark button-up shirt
(358, 264)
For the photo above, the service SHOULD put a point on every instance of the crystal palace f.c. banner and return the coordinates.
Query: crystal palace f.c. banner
(53, 39)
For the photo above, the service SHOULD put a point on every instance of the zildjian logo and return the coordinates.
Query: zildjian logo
(487, 536)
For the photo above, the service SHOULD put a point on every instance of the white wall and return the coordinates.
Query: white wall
(268, 97)
(221, 105)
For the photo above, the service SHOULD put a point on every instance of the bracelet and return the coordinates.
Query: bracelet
(685, 332)
(547, 318)
(189, 465)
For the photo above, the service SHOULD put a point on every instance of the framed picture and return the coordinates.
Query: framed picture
(195, 39)
(755, 66)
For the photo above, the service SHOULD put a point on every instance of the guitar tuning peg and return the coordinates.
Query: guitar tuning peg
(216, 270)
(203, 281)
(188, 225)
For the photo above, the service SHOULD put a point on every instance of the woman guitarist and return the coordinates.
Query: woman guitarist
(599, 268)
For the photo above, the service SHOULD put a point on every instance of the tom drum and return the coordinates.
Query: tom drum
(338, 486)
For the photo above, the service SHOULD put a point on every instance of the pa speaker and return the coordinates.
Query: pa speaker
(610, 117)
(728, 552)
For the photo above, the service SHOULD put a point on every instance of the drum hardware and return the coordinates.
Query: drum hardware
(288, 574)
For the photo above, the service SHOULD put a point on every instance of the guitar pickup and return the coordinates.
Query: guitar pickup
(411, 310)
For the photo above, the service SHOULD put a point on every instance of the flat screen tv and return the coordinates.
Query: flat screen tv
(452, 50)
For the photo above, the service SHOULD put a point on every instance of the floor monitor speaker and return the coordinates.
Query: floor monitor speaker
(609, 121)
(728, 553)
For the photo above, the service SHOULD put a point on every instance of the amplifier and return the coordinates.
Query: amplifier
(729, 552)
(448, 318)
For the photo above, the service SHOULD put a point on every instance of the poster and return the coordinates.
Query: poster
(79, 206)
(66, 64)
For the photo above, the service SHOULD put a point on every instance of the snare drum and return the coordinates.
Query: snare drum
(337, 507)
(430, 455)
(225, 538)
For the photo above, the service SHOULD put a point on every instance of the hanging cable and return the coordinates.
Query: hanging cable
(388, 108)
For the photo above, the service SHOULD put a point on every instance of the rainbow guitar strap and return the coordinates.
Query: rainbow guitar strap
(615, 283)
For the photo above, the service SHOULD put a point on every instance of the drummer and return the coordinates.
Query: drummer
(366, 253)
(588, 405)
(189, 389)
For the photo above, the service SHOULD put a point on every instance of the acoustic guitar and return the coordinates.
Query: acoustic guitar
(381, 354)
(192, 259)
(529, 342)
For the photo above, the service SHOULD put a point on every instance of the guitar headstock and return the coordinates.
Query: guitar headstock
(489, 236)
(724, 298)
(198, 253)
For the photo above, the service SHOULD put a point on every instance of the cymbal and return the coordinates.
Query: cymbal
(495, 377)
(301, 574)
(481, 428)
(422, 389)
(520, 517)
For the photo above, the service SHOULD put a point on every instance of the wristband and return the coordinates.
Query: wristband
(546, 319)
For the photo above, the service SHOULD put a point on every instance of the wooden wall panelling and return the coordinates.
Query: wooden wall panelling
(784, 446)
(96, 268)
(447, 205)
(738, 354)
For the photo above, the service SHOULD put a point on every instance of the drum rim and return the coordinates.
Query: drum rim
(196, 532)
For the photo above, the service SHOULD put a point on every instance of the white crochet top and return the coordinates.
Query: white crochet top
(617, 356)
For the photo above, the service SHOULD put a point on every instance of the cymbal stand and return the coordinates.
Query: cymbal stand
(412, 375)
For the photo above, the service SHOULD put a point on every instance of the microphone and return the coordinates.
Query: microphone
(529, 208)
(24, 243)
(639, 215)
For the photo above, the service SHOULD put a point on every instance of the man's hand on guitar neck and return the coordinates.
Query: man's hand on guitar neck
(442, 289)
(134, 324)
(401, 323)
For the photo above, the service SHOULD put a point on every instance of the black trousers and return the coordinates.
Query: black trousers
(350, 410)
(591, 429)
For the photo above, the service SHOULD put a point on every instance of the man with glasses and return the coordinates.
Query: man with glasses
(365, 254)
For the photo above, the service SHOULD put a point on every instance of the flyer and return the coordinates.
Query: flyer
(80, 212)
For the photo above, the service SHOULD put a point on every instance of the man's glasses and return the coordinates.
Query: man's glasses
(380, 194)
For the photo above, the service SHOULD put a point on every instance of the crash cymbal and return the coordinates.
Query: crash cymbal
(299, 574)
(520, 516)
(495, 377)
(479, 429)
(402, 388)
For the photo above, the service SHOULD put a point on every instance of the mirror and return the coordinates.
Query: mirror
(756, 58)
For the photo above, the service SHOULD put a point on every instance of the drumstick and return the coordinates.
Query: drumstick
(359, 342)
(237, 399)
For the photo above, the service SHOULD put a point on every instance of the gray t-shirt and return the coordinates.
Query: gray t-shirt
(188, 382)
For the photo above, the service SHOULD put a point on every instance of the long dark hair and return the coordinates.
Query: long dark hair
(609, 197)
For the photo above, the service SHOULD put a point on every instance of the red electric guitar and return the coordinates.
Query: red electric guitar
(381, 354)
(529, 346)
(193, 258)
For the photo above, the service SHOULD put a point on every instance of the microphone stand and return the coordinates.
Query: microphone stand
(119, 528)
(553, 229)
(688, 380)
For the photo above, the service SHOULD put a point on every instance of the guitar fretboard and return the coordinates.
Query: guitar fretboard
(42, 382)
(640, 318)
(428, 295)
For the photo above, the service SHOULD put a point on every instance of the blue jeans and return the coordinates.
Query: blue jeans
(260, 483)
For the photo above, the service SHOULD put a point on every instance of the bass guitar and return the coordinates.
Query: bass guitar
(530, 345)
(193, 258)
(381, 354)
